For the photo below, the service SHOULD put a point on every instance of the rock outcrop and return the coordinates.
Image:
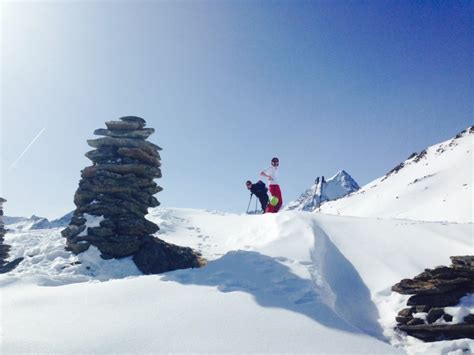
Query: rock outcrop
(432, 291)
(5, 266)
(113, 198)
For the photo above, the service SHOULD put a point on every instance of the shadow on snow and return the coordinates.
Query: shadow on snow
(271, 283)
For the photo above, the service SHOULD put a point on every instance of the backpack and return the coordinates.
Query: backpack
(260, 186)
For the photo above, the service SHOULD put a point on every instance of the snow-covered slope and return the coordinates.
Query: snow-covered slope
(336, 187)
(288, 282)
(433, 185)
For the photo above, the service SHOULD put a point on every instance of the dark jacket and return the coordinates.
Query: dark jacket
(259, 189)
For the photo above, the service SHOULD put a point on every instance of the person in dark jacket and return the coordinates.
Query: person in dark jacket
(260, 190)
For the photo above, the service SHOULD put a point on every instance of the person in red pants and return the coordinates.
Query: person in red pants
(272, 175)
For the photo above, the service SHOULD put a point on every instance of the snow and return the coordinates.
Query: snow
(434, 186)
(288, 282)
(465, 307)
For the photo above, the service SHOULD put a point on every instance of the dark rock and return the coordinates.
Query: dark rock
(140, 170)
(434, 314)
(136, 134)
(103, 155)
(72, 230)
(136, 226)
(120, 248)
(4, 249)
(9, 266)
(78, 220)
(439, 332)
(416, 321)
(83, 197)
(123, 126)
(469, 319)
(405, 315)
(466, 261)
(122, 142)
(433, 286)
(156, 257)
(406, 312)
(134, 119)
(77, 248)
(447, 317)
(437, 300)
(140, 155)
(101, 231)
(422, 309)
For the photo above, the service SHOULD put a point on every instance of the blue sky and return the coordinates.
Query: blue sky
(323, 85)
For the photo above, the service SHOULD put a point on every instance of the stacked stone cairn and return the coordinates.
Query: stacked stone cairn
(5, 266)
(113, 198)
(432, 291)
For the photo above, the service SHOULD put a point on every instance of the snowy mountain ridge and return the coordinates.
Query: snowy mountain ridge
(433, 185)
(36, 222)
(340, 185)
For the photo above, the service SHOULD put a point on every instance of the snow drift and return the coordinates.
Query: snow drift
(288, 282)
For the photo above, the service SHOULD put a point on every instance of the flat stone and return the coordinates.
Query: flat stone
(140, 170)
(157, 256)
(406, 312)
(416, 321)
(469, 319)
(437, 300)
(119, 249)
(123, 126)
(103, 155)
(10, 265)
(136, 226)
(101, 231)
(431, 286)
(141, 155)
(423, 309)
(434, 314)
(83, 197)
(123, 142)
(439, 332)
(463, 261)
(136, 134)
(135, 119)
(72, 230)
(77, 248)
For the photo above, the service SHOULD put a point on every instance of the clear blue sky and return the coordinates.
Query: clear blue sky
(324, 85)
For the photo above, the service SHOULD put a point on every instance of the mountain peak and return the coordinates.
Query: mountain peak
(336, 187)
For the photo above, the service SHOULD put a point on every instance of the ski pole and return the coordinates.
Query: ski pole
(256, 201)
(249, 203)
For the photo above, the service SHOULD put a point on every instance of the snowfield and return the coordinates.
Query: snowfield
(434, 185)
(285, 283)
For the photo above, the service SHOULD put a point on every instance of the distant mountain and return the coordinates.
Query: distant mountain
(36, 222)
(336, 187)
(432, 185)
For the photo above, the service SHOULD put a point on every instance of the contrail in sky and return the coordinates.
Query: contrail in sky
(27, 148)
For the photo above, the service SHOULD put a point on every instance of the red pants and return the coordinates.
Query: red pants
(275, 191)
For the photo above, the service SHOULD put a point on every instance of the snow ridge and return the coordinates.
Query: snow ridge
(435, 184)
